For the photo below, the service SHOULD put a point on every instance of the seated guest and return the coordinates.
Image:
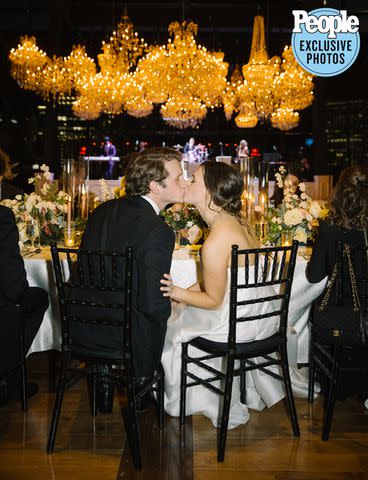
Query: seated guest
(7, 190)
(347, 221)
(32, 301)
(306, 170)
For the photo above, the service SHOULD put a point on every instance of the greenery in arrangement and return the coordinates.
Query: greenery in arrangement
(297, 215)
(46, 205)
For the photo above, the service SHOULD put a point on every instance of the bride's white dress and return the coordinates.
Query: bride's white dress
(186, 323)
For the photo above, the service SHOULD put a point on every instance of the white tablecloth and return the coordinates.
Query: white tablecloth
(184, 271)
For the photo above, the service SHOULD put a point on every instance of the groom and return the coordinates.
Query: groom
(153, 180)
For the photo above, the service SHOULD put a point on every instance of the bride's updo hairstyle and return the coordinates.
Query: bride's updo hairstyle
(225, 185)
(348, 203)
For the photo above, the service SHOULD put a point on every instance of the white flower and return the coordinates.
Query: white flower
(301, 187)
(47, 175)
(44, 168)
(279, 181)
(315, 209)
(282, 169)
(293, 217)
(308, 217)
(300, 235)
(18, 197)
(45, 189)
(31, 180)
(304, 196)
(303, 204)
(189, 224)
(176, 217)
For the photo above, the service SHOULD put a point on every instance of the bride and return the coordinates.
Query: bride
(203, 309)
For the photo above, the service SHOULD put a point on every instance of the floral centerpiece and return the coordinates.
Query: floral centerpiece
(109, 194)
(297, 215)
(46, 204)
(184, 218)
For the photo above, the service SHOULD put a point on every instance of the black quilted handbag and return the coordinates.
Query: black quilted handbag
(340, 323)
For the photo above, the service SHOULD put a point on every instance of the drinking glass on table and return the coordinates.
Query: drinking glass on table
(33, 233)
(261, 229)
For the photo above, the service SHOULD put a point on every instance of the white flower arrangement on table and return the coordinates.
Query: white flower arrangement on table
(297, 215)
(48, 206)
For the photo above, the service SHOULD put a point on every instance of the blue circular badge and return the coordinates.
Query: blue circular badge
(325, 45)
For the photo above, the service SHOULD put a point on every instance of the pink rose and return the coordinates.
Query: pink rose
(176, 207)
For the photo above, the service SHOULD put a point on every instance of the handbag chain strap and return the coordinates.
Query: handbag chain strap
(354, 289)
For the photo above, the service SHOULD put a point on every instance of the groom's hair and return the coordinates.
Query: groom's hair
(147, 166)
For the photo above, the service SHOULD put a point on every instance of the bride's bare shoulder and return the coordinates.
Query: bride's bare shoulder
(229, 231)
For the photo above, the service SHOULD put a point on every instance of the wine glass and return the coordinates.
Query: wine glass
(33, 232)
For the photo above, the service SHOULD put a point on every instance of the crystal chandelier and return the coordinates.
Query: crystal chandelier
(110, 90)
(113, 89)
(183, 76)
(269, 89)
(27, 63)
(284, 118)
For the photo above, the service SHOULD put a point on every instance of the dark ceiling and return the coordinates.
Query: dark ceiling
(222, 25)
(225, 26)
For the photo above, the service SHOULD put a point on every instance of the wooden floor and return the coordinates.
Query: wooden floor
(264, 449)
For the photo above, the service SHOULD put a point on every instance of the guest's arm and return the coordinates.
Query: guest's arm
(13, 279)
(317, 268)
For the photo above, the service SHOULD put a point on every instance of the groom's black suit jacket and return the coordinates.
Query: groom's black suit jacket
(113, 226)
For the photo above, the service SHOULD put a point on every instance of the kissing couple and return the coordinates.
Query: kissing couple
(164, 315)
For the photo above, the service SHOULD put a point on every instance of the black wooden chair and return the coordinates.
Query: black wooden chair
(272, 267)
(334, 359)
(82, 281)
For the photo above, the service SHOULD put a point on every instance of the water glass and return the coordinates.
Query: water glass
(33, 232)
(287, 239)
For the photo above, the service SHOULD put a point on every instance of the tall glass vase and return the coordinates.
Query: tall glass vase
(248, 168)
(74, 184)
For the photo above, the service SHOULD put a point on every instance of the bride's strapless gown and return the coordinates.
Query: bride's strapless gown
(186, 323)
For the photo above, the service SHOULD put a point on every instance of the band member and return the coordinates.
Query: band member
(109, 151)
(243, 150)
(190, 145)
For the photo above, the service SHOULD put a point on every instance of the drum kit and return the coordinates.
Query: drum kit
(192, 159)
(198, 154)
